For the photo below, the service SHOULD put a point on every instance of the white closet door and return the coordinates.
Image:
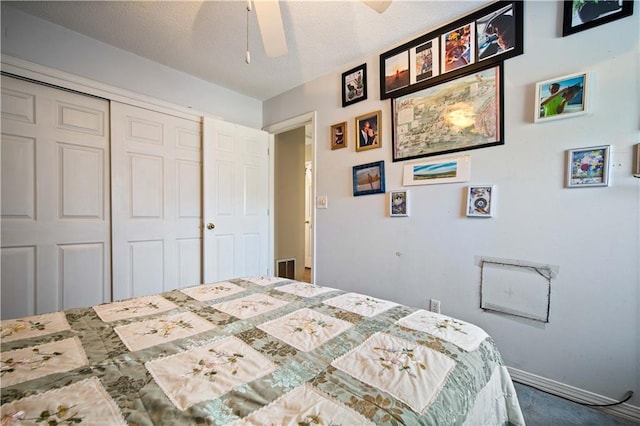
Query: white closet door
(157, 210)
(55, 199)
(236, 201)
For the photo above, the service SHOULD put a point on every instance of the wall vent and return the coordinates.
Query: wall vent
(286, 268)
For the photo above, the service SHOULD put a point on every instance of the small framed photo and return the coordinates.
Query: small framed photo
(369, 131)
(459, 47)
(396, 72)
(339, 135)
(354, 85)
(399, 203)
(480, 200)
(445, 170)
(588, 167)
(580, 15)
(562, 97)
(368, 178)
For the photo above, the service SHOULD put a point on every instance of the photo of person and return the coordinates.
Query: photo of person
(496, 33)
(368, 131)
(425, 60)
(338, 135)
(562, 96)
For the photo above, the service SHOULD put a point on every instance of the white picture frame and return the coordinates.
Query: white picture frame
(562, 97)
(588, 167)
(399, 203)
(481, 200)
(443, 170)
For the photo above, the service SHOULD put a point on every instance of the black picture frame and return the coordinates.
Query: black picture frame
(485, 37)
(354, 85)
(444, 118)
(368, 179)
(580, 15)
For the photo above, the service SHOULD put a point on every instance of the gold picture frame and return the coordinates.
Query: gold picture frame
(369, 131)
(339, 135)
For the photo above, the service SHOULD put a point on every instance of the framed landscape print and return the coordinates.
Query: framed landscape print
(354, 85)
(588, 167)
(562, 97)
(460, 114)
(445, 170)
(368, 178)
(580, 15)
(396, 72)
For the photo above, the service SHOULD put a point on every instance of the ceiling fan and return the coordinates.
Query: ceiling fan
(271, 27)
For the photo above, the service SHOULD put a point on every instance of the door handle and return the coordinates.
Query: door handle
(210, 226)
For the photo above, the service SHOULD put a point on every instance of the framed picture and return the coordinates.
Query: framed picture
(588, 167)
(483, 38)
(459, 48)
(445, 170)
(369, 131)
(354, 85)
(480, 200)
(562, 97)
(460, 114)
(368, 178)
(580, 15)
(399, 203)
(339, 135)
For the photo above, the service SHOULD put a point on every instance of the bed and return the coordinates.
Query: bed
(252, 350)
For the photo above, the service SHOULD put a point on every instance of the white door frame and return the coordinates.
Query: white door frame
(302, 120)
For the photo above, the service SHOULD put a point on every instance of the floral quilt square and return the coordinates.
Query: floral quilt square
(305, 329)
(250, 306)
(207, 292)
(84, 402)
(265, 280)
(305, 405)
(411, 373)
(462, 334)
(34, 326)
(33, 362)
(360, 304)
(133, 308)
(144, 334)
(208, 372)
(304, 289)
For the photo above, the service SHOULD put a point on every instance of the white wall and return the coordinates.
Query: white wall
(41, 42)
(592, 234)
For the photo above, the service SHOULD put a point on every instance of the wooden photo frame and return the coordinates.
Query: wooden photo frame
(339, 135)
(368, 131)
(459, 114)
(483, 38)
(399, 203)
(562, 97)
(444, 170)
(354, 85)
(368, 179)
(580, 15)
(480, 200)
(587, 167)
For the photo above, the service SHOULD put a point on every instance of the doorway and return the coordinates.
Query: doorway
(292, 186)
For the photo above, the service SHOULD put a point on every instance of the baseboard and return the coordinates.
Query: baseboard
(625, 411)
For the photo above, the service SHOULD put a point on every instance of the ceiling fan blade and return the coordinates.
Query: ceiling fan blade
(377, 5)
(271, 28)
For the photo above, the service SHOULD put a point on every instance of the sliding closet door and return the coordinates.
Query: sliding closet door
(55, 199)
(157, 209)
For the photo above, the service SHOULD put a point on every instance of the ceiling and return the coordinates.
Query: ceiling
(208, 39)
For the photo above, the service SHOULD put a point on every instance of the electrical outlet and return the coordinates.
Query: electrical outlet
(434, 306)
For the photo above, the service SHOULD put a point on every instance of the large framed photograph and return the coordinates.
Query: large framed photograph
(399, 203)
(369, 131)
(354, 85)
(580, 15)
(460, 114)
(562, 97)
(445, 170)
(483, 38)
(480, 200)
(339, 135)
(368, 178)
(588, 167)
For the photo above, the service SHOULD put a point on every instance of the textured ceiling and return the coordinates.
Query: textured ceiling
(208, 38)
